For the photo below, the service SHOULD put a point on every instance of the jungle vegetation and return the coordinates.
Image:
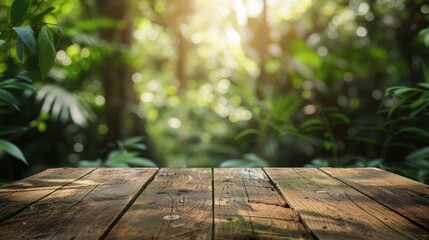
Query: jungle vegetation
(226, 83)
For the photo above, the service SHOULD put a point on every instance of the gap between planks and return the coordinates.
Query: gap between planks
(330, 208)
(128, 205)
(248, 206)
(90, 204)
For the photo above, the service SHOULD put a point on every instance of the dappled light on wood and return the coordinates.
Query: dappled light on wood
(220, 203)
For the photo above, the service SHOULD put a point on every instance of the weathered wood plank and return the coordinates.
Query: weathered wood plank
(334, 210)
(176, 204)
(247, 206)
(19, 195)
(404, 196)
(84, 209)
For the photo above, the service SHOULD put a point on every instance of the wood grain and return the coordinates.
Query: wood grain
(84, 209)
(334, 210)
(177, 204)
(247, 206)
(404, 196)
(16, 197)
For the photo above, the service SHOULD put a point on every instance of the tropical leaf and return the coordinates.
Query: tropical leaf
(318, 163)
(8, 98)
(90, 164)
(62, 105)
(140, 162)
(27, 36)
(14, 83)
(20, 49)
(340, 117)
(414, 130)
(24, 77)
(246, 133)
(422, 153)
(8, 130)
(132, 141)
(312, 125)
(18, 11)
(46, 50)
(13, 150)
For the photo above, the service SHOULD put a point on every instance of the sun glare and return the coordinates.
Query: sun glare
(233, 36)
(281, 9)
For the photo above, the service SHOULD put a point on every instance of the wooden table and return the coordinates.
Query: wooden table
(204, 203)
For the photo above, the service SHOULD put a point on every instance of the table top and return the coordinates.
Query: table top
(204, 203)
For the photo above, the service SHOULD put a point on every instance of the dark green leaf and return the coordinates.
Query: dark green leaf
(424, 32)
(426, 39)
(90, 164)
(27, 36)
(251, 157)
(18, 11)
(140, 162)
(20, 49)
(403, 90)
(310, 123)
(318, 162)
(419, 102)
(339, 116)
(131, 141)
(246, 133)
(138, 146)
(421, 153)
(13, 84)
(13, 150)
(415, 131)
(7, 130)
(425, 85)
(46, 50)
(375, 162)
(9, 98)
(23, 77)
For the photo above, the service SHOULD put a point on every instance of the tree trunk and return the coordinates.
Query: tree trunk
(115, 74)
(181, 61)
(263, 52)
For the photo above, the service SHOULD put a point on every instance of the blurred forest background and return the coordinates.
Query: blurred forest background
(200, 83)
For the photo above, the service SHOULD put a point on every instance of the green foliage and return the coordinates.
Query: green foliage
(11, 84)
(19, 11)
(12, 149)
(43, 47)
(123, 154)
(425, 35)
(248, 160)
(63, 106)
(46, 50)
(26, 35)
